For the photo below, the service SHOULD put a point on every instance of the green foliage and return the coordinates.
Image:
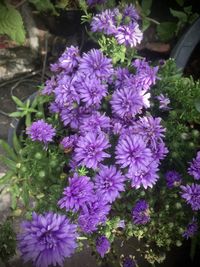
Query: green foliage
(112, 49)
(44, 5)
(165, 30)
(11, 23)
(7, 241)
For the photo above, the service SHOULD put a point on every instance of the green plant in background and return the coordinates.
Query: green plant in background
(7, 241)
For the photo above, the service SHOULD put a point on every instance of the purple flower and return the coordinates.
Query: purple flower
(173, 179)
(131, 151)
(105, 22)
(90, 148)
(140, 212)
(96, 65)
(191, 193)
(79, 191)
(95, 122)
(131, 12)
(126, 103)
(69, 59)
(129, 35)
(194, 168)
(93, 214)
(109, 182)
(146, 176)
(102, 245)
(129, 262)
(68, 142)
(91, 91)
(47, 240)
(49, 86)
(73, 116)
(122, 74)
(163, 102)
(191, 230)
(41, 131)
(65, 92)
(150, 128)
(145, 74)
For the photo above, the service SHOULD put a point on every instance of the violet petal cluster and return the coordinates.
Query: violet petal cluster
(47, 239)
(194, 169)
(102, 245)
(192, 229)
(79, 191)
(191, 193)
(41, 131)
(173, 179)
(140, 212)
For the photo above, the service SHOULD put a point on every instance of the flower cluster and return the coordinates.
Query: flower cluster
(114, 156)
(122, 24)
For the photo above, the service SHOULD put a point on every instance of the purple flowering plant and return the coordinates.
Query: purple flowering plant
(110, 153)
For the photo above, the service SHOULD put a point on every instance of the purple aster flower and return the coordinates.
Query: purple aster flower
(163, 102)
(122, 74)
(194, 168)
(109, 182)
(131, 12)
(79, 191)
(68, 142)
(65, 92)
(102, 245)
(95, 122)
(54, 107)
(105, 22)
(91, 91)
(150, 128)
(191, 230)
(191, 193)
(126, 103)
(140, 212)
(145, 74)
(73, 116)
(47, 240)
(96, 65)
(129, 262)
(90, 148)
(160, 151)
(131, 151)
(69, 59)
(129, 35)
(49, 86)
(146, 176)
(41, 131)
(55, 67)
(173, 179)
(93, 214)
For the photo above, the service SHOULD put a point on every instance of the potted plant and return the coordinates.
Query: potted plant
(109, 153)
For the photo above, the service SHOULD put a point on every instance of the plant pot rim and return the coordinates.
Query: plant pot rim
(186, 45)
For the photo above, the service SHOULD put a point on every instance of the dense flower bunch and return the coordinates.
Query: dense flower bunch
(102, 121)
(122, 24)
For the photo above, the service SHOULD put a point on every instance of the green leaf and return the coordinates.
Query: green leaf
(25, 194)
(145, 24)
(28, 120)
(6, 179)
(10, 163)
(165, 30)
(180, 2)
(179, 14)
(11, 23)
(16, 143)
(16, 114)
(9, 151)
(197, 104)
(146, 6)
(17, 101)
(44, 5)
